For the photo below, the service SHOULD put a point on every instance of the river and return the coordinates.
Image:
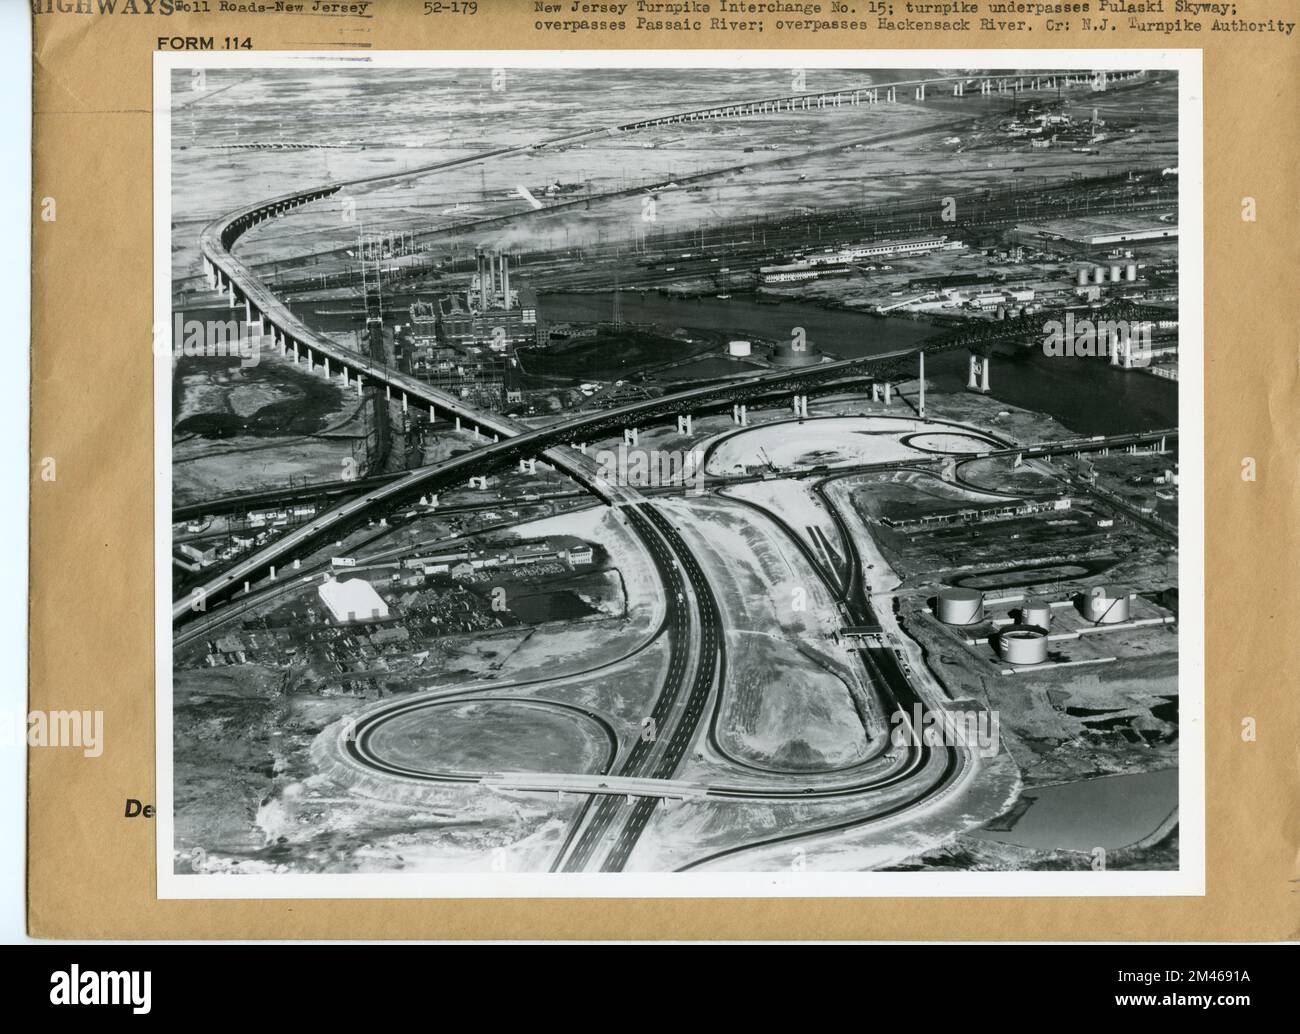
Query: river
(1086, 395)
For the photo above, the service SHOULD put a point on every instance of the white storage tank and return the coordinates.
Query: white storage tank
(960, 606)
(1105, 604)
(1023, 644)
(1036, 612)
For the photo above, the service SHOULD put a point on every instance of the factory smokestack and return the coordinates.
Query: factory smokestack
(482, 279)
(505, 280)
(492, 275)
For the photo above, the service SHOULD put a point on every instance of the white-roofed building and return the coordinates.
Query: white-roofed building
(353, 600)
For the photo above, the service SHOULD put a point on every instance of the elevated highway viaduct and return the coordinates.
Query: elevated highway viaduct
(511, 441)
(872, 93)
(513, 445)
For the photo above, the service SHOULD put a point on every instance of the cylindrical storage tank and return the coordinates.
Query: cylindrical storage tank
(785, 354)
(1115, 274)
(1105, 604)
(1083, 277)
(960, 606)
(1099, 275)
(1036, 613)
(1023, 644)
(1131, 271)
(739, 348)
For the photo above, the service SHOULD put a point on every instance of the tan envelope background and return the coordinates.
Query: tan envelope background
(91, 872)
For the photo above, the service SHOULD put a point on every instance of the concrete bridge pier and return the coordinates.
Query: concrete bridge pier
(630, 435)
(892, 95)
(295, 353)
(360, 384)
(479, 481)
(231, 292)
(875, 392)
(527, 466)
(458, 423)
(740, 414)
(920, 381)
(327, 367)
(889, 393)
(403, 402)
(684, 423)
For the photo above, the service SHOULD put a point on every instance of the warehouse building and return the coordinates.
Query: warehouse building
(353, 600)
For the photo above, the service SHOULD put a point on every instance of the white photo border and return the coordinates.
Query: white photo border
(1187, 880)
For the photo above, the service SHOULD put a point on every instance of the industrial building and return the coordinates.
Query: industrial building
(464, 342)
(793, 272)
(905, 246)
(353, 600)
(839, 261)
(1084, 233)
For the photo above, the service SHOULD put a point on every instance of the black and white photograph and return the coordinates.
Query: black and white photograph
(719, 473)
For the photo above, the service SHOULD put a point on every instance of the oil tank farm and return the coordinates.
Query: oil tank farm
(1023, 644)
(1105, 604)
(959, 606)
(1036, 612)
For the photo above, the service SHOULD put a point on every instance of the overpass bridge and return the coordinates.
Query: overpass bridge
(874, 93)
(600, 785)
